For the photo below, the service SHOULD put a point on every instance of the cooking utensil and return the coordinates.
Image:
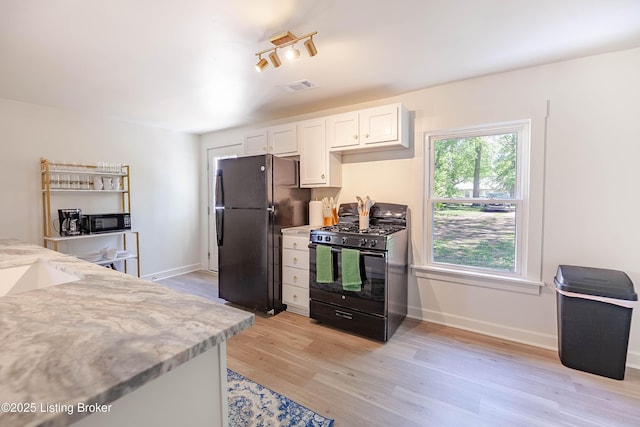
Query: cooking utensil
(327, 215)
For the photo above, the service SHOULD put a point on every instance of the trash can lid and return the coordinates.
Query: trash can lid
(595, 281)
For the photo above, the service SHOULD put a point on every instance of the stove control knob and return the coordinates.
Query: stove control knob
(363, 242)
(373, 243)
(327, 239)
(345, 240)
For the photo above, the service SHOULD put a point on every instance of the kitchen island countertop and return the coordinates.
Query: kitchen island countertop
(94, 340)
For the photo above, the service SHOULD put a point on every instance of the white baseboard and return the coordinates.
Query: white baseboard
(173, 272)
(633, 359)
(547, 341)
(523, 336)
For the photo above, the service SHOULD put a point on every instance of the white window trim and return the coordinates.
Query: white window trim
(521, 280)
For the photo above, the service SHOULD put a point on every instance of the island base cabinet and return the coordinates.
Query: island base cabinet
(192, 394)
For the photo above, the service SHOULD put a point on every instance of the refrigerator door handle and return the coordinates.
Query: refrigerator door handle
(219, 219)
(219, 197)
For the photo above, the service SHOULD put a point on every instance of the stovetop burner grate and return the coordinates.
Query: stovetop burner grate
(377, 230)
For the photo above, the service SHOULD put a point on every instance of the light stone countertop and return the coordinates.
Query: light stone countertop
(302, 230)
(96, 339)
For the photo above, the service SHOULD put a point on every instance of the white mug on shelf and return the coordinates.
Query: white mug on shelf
(108, 182)
(97, 183)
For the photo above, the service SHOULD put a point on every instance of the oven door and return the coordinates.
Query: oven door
(373, 271)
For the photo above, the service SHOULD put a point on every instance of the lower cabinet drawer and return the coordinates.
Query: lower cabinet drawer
(296, 242)
(295, 276)
(295, 295)
(292, 258)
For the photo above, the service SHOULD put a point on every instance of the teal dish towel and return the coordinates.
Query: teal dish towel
(324, 264)
(351, 280)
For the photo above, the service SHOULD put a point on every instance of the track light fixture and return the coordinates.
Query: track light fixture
(283, 40)
(275, 60)
(292, 54)
(311, 48)
(262, 64)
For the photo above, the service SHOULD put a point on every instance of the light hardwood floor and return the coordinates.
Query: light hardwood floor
(426, 375)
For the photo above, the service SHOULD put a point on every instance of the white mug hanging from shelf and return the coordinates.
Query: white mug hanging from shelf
(54, 181)
(65, 181)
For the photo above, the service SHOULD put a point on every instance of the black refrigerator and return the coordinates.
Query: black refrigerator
(256, 197)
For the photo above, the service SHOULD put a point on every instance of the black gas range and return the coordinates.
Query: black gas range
(349, 235)
(358, 278)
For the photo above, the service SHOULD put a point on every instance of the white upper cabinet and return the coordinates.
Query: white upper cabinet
(283, 139)
(280, 140)
(344, 130)
(255, 142)
(384, 127)
(318, 167)
(379, 124)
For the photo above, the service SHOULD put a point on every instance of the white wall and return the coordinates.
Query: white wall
(588, 174)
(164, 178)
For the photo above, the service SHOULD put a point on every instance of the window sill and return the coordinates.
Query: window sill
(484, 280)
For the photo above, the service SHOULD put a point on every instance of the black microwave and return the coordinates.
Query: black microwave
(105, 223)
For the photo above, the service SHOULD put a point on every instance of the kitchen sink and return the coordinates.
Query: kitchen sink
(36, 275)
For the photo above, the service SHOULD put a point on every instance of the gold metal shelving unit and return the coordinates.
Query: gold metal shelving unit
(84, 185)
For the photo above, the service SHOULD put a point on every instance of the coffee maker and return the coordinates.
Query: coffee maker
(70, 220)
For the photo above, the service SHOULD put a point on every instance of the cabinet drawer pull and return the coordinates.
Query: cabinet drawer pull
(366, 135)
(295, 260)
(295, 245)
(344, 315)
(322, 176)
(295, 278)
(355, 136)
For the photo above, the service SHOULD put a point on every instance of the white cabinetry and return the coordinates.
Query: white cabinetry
(376, 128)
(318, 167)
(255, 142)
(295, 270)
(279, 140)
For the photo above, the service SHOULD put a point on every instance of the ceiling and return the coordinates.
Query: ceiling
(188, 65)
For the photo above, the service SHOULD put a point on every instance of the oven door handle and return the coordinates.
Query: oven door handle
(363, 253)
(334, 249)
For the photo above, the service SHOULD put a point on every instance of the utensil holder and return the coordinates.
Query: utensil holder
(363, 223)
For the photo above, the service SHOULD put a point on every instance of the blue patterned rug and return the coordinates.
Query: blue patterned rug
(252, 405)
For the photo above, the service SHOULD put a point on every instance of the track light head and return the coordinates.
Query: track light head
(311, 47)
(261, 65)
(275, 60)
(292, 54)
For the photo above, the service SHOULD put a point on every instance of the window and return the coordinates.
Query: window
(476, 201)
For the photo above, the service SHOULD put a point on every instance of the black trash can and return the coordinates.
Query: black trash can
(594, 319)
